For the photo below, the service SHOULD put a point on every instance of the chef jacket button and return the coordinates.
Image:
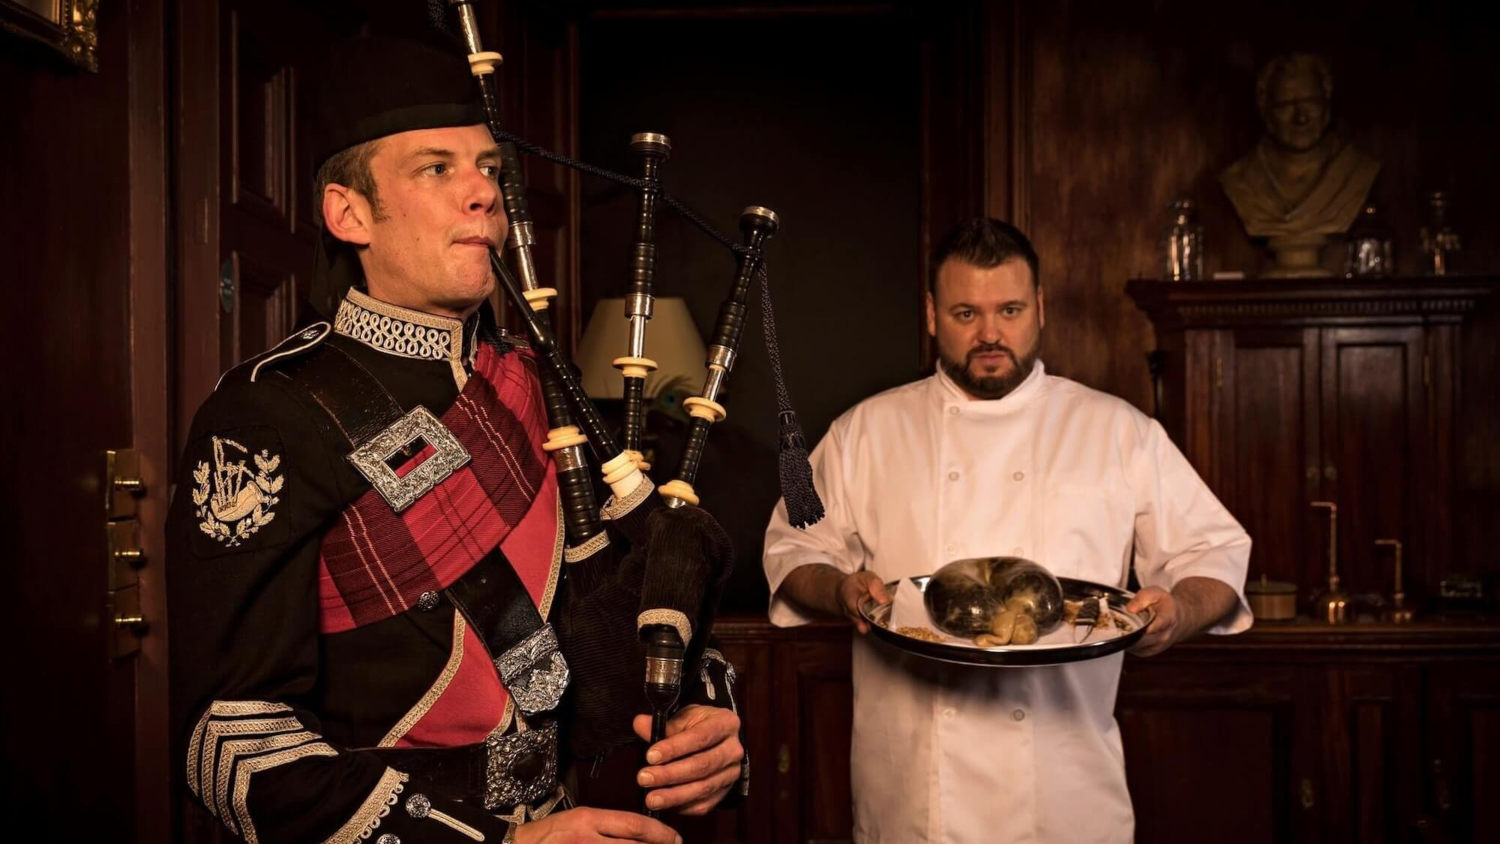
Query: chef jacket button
(953, 410)
(1016, 551)
(1018, 476)
(1018, 715)
(951, 549)
(949, 713)
(952, 476)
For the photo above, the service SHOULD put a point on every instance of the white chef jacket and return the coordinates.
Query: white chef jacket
(1075, 479)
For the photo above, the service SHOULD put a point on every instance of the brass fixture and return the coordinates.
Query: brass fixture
(1397, 612)
(1334, 606)
(123, 487)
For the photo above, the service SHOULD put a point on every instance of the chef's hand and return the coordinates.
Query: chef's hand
(853, 590)
(1161, 633)
(696, 764)
(595, 826)
(1194, 605)
(822, 589)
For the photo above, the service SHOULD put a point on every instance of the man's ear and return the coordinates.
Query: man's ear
(931, 315)
(346, 214)
(1041, 309)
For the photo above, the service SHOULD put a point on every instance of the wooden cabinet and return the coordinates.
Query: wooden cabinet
(1282, 393)
(1289, 732)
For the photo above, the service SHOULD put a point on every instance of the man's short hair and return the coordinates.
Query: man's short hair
(350, 168)
(984, 242)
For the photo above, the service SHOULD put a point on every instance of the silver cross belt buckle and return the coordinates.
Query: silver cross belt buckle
(534, 671)
(520, 767)
(374, 458)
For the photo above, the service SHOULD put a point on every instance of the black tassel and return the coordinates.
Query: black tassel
(803, 507)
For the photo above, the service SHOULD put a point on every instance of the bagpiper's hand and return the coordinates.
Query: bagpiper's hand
(696, 764)
(853, 590)
(595, 826)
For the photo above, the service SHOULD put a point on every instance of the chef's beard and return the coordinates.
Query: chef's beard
(990, 387)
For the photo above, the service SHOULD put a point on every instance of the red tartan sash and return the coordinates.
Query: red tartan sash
(375, 563)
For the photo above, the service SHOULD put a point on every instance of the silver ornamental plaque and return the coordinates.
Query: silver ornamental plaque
(534, 671)
(520, 767)
(371, 459)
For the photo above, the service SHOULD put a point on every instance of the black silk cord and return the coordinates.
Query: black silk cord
(803, 507)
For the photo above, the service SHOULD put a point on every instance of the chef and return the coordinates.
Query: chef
(991, 456)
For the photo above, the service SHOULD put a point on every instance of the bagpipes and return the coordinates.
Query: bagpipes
(678, 591)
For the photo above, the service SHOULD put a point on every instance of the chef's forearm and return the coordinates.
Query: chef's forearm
(1201, 603)
(814, 588)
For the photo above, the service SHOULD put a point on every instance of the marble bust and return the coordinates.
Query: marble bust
(1302, 181)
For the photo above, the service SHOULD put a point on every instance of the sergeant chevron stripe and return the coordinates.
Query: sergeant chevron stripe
(230, 742)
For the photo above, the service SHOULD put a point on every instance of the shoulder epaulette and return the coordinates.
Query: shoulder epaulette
(302, 342)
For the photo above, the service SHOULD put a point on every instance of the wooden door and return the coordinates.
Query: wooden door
(1220, 746)
(1268, 449)
(83, 712)
(245, 184)
(1377, 453)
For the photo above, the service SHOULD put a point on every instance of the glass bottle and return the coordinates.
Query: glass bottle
(1440, 244)
(1369, 248)
(1183, 243)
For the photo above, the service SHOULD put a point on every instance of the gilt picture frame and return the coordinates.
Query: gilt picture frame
(67, 26)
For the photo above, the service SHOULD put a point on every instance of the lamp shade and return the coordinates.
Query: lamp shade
(672, 340)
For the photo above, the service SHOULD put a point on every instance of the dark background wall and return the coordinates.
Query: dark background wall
(815, 119)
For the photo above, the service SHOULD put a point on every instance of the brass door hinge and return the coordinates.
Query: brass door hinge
(123, 487)
(126, 622)
(123, 540)
(122, 483)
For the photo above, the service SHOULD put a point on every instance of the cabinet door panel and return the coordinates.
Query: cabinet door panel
(1222, 748)
(1462, 776)
(1269, 446)
(1370, 739)
(1375, 451)
(815, 723)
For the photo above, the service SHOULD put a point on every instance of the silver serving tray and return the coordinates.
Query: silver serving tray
(1015, 656)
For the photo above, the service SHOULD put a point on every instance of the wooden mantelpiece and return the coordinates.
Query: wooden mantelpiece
(1213, 304)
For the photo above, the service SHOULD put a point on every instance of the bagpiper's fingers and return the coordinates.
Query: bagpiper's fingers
(712, 787)
(694, 729)
(633, 827)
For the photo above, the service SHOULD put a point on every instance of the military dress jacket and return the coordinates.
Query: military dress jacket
(310, 649)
